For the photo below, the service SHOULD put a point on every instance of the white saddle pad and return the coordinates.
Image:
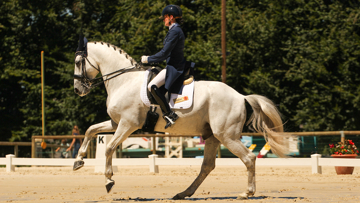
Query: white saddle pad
(177, 101)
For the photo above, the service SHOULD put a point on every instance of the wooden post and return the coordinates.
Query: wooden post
(181, 152)
(219, 151)
(32, 147)
(88, 152)
(16, 150)
(167, 147)
(223, 49)
(52, 152)
(223, 40)
(120, 151)
(42, 93)
(154, 145)
(342, 136)
(93, 149)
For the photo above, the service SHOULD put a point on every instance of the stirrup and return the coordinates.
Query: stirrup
(170, 119)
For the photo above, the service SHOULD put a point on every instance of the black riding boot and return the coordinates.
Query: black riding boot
(169, 116)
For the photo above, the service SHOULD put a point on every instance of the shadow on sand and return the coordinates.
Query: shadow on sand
(140, 199)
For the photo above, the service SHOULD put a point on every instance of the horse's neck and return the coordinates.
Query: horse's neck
(111, 59)
(108, 58)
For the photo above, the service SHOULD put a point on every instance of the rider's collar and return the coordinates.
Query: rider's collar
(172, 25)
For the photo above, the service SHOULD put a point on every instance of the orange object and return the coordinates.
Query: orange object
(43, 145)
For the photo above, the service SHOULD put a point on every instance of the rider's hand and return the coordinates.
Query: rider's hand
(144, 59)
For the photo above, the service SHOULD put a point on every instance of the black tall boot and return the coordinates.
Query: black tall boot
(169, 116)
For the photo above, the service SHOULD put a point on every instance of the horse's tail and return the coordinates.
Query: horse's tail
(266, 119)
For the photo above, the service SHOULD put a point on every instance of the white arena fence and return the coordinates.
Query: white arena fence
(316, 162)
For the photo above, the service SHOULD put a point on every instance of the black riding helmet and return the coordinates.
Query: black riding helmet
(173, 10)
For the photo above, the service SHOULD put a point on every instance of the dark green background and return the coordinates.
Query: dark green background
(303, 55)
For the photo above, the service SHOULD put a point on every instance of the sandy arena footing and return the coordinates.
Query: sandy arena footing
(137, 184)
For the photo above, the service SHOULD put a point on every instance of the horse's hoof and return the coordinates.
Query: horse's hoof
(109, 186)
(78, 164)
(242, 196)
(178, 196)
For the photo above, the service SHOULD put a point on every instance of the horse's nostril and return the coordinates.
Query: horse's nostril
(76, 91)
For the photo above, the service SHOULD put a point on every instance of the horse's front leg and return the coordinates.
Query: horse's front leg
(123, 131)
(211, 145)
(107, 126)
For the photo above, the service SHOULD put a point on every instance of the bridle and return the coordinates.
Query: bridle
(87, 82)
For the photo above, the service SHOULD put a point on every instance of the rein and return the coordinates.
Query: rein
(87, 82)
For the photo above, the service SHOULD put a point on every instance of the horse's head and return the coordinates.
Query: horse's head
(85, 71)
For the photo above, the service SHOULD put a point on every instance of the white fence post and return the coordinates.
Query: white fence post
(315, 168)
(101, 143)
(9, 166)
(153, 167)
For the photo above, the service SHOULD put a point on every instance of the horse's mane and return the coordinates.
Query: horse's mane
(121, 51)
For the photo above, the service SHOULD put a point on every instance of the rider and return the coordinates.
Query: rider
(173, 51)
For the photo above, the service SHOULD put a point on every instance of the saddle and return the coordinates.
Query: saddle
(188, 78)
(152, 117)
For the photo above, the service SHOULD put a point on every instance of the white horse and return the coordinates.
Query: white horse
(218, 114)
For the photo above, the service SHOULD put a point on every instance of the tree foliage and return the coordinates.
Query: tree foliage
(302, 54)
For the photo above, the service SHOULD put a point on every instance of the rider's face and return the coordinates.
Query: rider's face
(167, 20)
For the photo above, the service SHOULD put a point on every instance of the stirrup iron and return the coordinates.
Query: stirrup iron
(170, 119)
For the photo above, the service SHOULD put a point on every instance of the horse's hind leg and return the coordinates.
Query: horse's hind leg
(249, 158)
(211, 145)
(107, 126)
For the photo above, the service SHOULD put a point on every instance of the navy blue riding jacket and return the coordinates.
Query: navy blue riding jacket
(173, 52)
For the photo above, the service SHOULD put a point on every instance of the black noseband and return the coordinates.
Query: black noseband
(78, 77)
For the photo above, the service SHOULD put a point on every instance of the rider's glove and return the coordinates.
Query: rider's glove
(144, 59)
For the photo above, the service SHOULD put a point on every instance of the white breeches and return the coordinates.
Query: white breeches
(159, 80)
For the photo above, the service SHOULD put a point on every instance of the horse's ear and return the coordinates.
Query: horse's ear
(81, 43)
(85, 41)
